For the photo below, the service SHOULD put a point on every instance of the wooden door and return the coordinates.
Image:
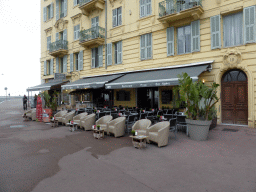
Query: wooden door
(234, 96)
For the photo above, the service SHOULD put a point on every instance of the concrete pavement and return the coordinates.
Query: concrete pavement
(38, 158)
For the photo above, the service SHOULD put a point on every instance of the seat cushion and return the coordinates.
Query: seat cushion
(103, 126)
(111, 128)
(153, 136)
(141, 132)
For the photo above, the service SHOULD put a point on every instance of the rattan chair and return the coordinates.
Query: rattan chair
(88, 121)
(103, 122)
(77, 119)
(116, 127)
(141, 126)
(69, 116)
(58, 116)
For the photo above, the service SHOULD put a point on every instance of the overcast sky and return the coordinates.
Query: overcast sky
(19, 45)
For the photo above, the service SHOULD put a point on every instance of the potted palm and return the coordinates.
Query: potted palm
(193, 94)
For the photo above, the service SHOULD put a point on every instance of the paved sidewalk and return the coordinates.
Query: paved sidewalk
(41, 158)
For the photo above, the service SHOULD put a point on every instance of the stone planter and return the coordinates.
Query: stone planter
(213, 124)
(198, 130)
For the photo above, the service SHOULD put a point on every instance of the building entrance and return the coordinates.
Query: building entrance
(147, 97)
(234, 97)
(103, 97)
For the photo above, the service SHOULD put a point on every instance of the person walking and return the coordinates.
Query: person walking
(25, 99)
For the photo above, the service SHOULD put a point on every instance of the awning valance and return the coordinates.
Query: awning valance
(91, 82)
(47, 86)
(157, 78)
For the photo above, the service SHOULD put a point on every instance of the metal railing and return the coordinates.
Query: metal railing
(168, 7)
(60, 44)
(92, 33)
(82, 2)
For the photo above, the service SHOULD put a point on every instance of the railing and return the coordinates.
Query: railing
(92, 33)
(60, 44)
(82, 2)
(174, 6)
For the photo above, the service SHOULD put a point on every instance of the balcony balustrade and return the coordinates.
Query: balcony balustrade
(87, 6)
(94, 36)
(58, 48)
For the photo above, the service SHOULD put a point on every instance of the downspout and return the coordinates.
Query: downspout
(106, 14)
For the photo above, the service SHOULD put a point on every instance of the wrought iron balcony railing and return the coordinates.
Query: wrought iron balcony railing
(168, 7)
(82, 2)
(57, 45)
(92, 33)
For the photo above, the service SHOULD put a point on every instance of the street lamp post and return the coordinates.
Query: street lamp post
(6, 92)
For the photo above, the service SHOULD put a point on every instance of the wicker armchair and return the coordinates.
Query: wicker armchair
(31, 114)
(141, 126)
(58, 116)
(159, 133)
(88, 121)
(69, 116)
(77, 118)
(103, 121)
(117, 126)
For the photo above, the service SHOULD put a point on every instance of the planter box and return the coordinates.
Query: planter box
(198, 130)
(214, 123)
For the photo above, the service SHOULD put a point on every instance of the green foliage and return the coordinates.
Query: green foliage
(133, 132)
(98, 126)
(51, 102)
(158, 116)
(47, 98)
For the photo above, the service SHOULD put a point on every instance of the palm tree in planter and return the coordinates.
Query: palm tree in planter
(194, 93)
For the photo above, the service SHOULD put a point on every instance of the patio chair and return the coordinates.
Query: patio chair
(103, 122)
(31, 113)
(58, 116)
(173, 127)
(131, 119)
(101, 114)
(77, 119)
(143, 115)
(159, 133)
(87, 122)
(181, 122)
(69, 116)
(116, 127)
(141, 125)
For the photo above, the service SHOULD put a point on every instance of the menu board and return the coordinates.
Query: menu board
(166, 96)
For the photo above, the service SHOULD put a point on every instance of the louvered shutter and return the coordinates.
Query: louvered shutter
(45, 68)
(57, 37)
(142, 8)
(65, 7)
(109, 54)
(142, 47)
(195, 36)
(51, 11)
(93, 58)
(100, 55)
(78, 31)
(148, 7)
(65, 64)
(71, 62)
(75, 32)
(249, 24)
(114, 17)
(51, 67)
(80, 60)
(65, 34)
(215, 32)
(44, 13)
(119, 16)
(119, 52)
(148, 54)
(57, 64)
(170, 41)
(57, 10)
(75, 2)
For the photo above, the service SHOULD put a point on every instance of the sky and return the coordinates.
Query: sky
(20, 48)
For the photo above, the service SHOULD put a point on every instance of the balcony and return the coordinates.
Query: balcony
(92, 37)
(173, 10)
(58, 48)
(88, 5)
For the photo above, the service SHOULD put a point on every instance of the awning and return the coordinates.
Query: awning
(158, 77)
(91, 82)
(46, 86)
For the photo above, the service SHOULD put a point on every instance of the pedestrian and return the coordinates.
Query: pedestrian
(25, 99)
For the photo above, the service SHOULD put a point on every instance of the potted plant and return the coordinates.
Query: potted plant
(69, 120)
(133, 132)
(158, 116)
(192, 94)
(98, 127)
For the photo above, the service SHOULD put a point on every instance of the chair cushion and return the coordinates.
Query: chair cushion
(103, 126)
(153, 136)
(111, 128)
(141, 132)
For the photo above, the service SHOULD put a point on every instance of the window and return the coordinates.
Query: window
(166, 96)
(97, 57)
(76, 2)
(233, 30)
(184, 39)
(76, 32)
(76, 61)
(145, 8)
(48, 67)
(123, 95)
(146, 46)
(61, 8)
(48, 42)
(118, 52)
(117, 17)
(61, 65)
(48, 12)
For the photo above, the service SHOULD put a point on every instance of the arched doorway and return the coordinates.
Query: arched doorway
(234, 97)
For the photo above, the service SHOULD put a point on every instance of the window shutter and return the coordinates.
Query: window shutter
(195, 36)
(78, 31)
(65, 34)
(75, 2)
(80, 61)
(51, 10)
(170, 41)
(93, 58)
(119, 52)
(51, 67)
(71, 62)
(94, 22)
(119, 16)
(215, 32)
(45, 69)
(57, 37)
(57, 64)
(249, 24)
(75, 33)
(142, 8)
(57, 10)
(148, 7)
(65, 7)
(65, 64)
(100, 56)
(142, 47)
(109, 54)
(148, 54)
(114, 17)
(44, 13)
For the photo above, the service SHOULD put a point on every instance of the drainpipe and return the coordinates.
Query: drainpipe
(106, 14)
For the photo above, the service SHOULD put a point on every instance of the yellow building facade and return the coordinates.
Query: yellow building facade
(86, 39)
